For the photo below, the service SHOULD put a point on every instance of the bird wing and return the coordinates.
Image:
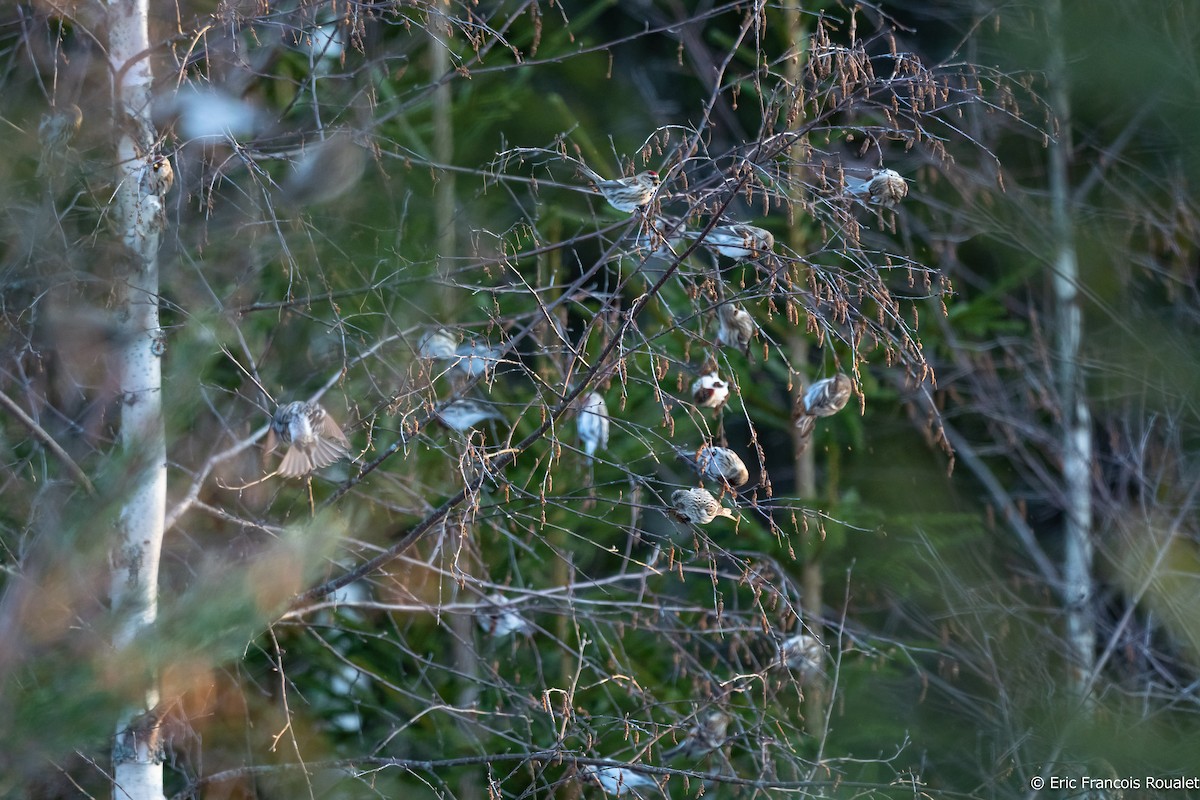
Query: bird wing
(331, 430)
(326, 451)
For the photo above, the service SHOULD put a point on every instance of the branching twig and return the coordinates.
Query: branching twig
(45, 438)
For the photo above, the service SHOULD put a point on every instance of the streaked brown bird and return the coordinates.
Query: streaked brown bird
(314, 439)
(716, 464)
(626, 194)
(735, 327)
(884, 188)
(157, 176)
(828, 396)
(738, 241)
(698, 506)
(824, 398)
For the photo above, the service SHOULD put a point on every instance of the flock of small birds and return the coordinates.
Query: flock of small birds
(735, 329)
(315, 441)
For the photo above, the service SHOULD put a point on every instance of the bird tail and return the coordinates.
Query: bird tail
(806, 424)
(590, 175)
(296, 463)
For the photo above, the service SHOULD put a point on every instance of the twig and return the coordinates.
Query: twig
(1008, 509)
(45, 438)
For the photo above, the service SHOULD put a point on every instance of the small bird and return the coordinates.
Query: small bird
(316, 440)
(717, 464)
(707, 736)
(735, 327)
(698, 506)
(593, 424)
(157, 176)
(616, 780)
(498, 618)
(55, 131)
(828, 396)
(803, 654)
(437, 344)
(884, 188)
(626, 194)
(476, 359)
(460, 415)
(738, 241)
(709, 391)
(824, 398)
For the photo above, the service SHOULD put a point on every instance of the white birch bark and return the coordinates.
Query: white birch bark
(138, 218)
(812, 575)
(1076, 417)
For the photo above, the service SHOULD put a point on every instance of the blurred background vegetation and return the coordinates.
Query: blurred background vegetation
(350, 176)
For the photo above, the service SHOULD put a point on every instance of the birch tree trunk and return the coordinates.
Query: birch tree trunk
(812, 578)
(1076, 418)
(138, 218)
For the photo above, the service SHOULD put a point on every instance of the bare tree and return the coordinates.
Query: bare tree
(480, 398)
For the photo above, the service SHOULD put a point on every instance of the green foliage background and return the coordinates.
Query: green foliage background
(944, 673)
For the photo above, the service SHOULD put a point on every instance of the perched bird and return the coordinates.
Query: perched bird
(803, 654)
(717, 464)
(697, 506)
(626, 194)
(738, 241)
(461, 415)
(437, 344)
(706, 736)
(735, 326)
(709, 391)
(616, 780)
(55, 131)
(499, 618)
(884, 188)
(315, 439)
(476, 359)
(824, 398)
(828, 396)
(593, 424)
(157, 176)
